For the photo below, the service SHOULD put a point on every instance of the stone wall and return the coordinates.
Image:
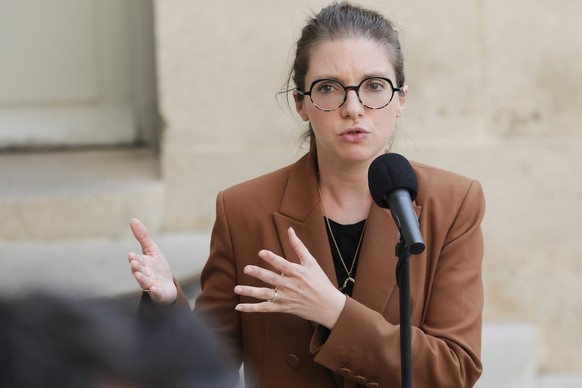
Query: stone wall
(495, 88)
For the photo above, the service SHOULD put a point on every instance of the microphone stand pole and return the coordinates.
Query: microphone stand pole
(403, 281)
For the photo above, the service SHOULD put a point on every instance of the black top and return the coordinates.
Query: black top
(347, 238)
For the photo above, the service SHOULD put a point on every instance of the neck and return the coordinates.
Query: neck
(344, 192)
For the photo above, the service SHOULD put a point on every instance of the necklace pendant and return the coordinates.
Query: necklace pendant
(349, 279)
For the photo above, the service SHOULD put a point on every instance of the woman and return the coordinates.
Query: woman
(300, 280)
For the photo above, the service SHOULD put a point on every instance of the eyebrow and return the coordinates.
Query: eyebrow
(367, 75)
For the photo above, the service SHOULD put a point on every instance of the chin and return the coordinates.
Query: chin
(361, 156)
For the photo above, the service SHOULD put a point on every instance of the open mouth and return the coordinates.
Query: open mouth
(354, 131)
(354, 135)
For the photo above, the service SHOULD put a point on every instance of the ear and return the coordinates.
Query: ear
(402, 97)
(300, 105)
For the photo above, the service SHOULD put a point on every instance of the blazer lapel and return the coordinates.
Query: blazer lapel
(376, 273)
(301, 209)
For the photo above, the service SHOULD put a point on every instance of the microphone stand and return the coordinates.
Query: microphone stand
(403, 282)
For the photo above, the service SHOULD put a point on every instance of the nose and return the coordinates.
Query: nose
(352, 107)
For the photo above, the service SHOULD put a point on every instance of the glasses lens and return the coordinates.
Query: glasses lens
(376, 92)
(328, 94)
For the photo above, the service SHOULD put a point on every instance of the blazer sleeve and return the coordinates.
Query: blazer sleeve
(216, 303)
(365, 348)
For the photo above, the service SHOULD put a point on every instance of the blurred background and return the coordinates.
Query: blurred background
(112, 109)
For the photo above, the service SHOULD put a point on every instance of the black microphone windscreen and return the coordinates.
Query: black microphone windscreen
(388, 172)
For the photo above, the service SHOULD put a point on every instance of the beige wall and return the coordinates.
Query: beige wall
(495, 88)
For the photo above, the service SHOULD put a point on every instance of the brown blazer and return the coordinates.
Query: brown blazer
(363, 349)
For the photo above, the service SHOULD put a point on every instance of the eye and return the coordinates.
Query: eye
(327, 87)
(376, 84)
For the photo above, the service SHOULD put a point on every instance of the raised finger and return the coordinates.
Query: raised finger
(263, 293)
(279, 263)
(132, 256)
(135, 265)
(142, 260)
(143, 281)
(262, 274)
(262, 307)
(141, 234)
(299, 248)
(141, 270)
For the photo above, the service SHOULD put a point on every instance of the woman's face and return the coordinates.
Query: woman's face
(352, 133)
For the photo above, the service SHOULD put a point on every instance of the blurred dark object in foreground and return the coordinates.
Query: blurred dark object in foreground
(48, 340)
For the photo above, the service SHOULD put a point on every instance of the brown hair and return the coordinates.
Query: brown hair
(343, 20)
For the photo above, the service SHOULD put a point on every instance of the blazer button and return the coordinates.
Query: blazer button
(359, 379)
(293, 361)
(345, 372)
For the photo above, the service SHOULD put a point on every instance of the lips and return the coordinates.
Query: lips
(354, 135)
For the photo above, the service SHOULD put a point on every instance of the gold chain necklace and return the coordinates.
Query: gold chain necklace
(349, 272)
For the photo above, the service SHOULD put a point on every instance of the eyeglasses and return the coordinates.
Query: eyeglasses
(328, 94)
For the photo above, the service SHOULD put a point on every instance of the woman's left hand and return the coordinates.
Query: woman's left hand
(300, 289)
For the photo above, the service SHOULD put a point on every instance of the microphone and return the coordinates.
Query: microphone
(394, 186)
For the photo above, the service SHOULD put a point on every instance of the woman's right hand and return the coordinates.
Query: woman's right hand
(151, 269)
